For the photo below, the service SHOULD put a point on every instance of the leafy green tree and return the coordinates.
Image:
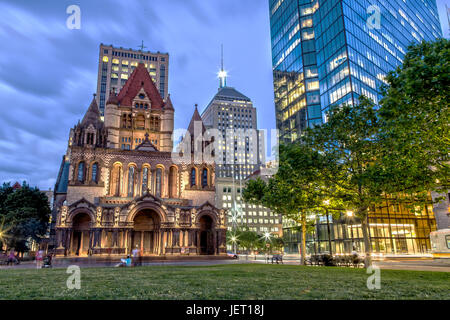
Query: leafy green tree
(295, 191)
(348, 143)
(25, 213)
(414, 117)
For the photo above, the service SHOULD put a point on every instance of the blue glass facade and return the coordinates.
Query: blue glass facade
(328, 52)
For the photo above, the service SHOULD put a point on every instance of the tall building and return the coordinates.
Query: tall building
(239, 154)
(115, 66)
(241, 148)
(110, 199)
(327, 52)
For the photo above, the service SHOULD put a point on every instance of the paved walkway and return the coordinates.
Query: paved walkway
(442, 265)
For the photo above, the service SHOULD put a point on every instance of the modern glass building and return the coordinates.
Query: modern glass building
(393, 229)
(327, 52)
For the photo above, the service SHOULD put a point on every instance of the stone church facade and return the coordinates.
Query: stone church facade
(119, 188)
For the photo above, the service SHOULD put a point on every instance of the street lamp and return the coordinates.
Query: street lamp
(350, 215)
(234, 240)
(327, 203)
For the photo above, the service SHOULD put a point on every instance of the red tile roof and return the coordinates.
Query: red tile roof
(140, 78)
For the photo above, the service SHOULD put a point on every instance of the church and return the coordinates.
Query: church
(119, 188)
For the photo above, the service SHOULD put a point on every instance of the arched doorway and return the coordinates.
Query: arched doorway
(80, 235)
(206, 235)
(145, 231)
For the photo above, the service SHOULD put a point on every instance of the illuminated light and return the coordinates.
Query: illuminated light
(105, 59)
(222, 74)
(349, 213)
(326, 202)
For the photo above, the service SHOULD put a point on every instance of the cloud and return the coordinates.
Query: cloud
(48, 72)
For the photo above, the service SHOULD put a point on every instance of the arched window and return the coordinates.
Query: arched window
(94, 173)
(116, 180)
(204, 178)
(131, 175)
(158, 182)
(145, 185)
(173, 182)
(81, 171)
(193, 177)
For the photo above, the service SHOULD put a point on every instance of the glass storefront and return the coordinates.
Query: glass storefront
(393, 229)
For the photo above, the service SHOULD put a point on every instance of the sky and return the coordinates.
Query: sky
(48, 72)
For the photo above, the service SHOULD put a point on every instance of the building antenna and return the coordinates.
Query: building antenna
(141, 49)
(222, 50)
(222, 72)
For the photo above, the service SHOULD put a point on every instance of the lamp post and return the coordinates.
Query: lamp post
(234, 240)
(327, 202)
(350, 217)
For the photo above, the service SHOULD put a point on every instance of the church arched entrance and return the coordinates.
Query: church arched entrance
(145, 232)
(80, 234)
(206, 235)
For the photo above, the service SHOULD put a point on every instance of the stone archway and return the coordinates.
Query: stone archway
(206, 235)
(80, 240)
(145, 232)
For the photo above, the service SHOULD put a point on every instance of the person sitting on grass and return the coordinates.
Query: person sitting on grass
(125, 262)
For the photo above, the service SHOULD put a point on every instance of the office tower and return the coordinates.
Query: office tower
(239, 155)
(233, 115)
(115, 65)
(328, 52)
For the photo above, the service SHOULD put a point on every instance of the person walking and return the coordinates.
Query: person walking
(39, 258)
(11, 257)
(135, 256)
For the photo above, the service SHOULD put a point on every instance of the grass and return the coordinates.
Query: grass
(243, 281)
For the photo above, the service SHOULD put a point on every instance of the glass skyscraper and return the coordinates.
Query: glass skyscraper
(328, 52)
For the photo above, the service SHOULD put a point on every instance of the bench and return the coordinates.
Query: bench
(276, 257)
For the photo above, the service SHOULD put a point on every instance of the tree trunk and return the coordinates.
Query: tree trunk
(367, 244)
(303, 253)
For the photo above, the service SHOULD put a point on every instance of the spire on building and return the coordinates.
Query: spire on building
(92, 115)
(112, 98)
(195, 118)
(222, 74)
(168, 105)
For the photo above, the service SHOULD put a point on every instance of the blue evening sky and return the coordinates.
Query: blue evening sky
(48, 72)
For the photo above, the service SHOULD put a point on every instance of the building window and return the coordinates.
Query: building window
(193, 178)
(81, 171)
(158, 182)
(94, 174)
(131, 174)
(145, 180)
(205, 178)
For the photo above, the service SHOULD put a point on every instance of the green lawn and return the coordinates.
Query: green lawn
(250, 281)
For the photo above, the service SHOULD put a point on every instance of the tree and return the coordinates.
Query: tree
(349, 145)
(25, 213)
(414, 117)
(295, 191)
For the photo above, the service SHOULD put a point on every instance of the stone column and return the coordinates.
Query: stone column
(198, 241)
